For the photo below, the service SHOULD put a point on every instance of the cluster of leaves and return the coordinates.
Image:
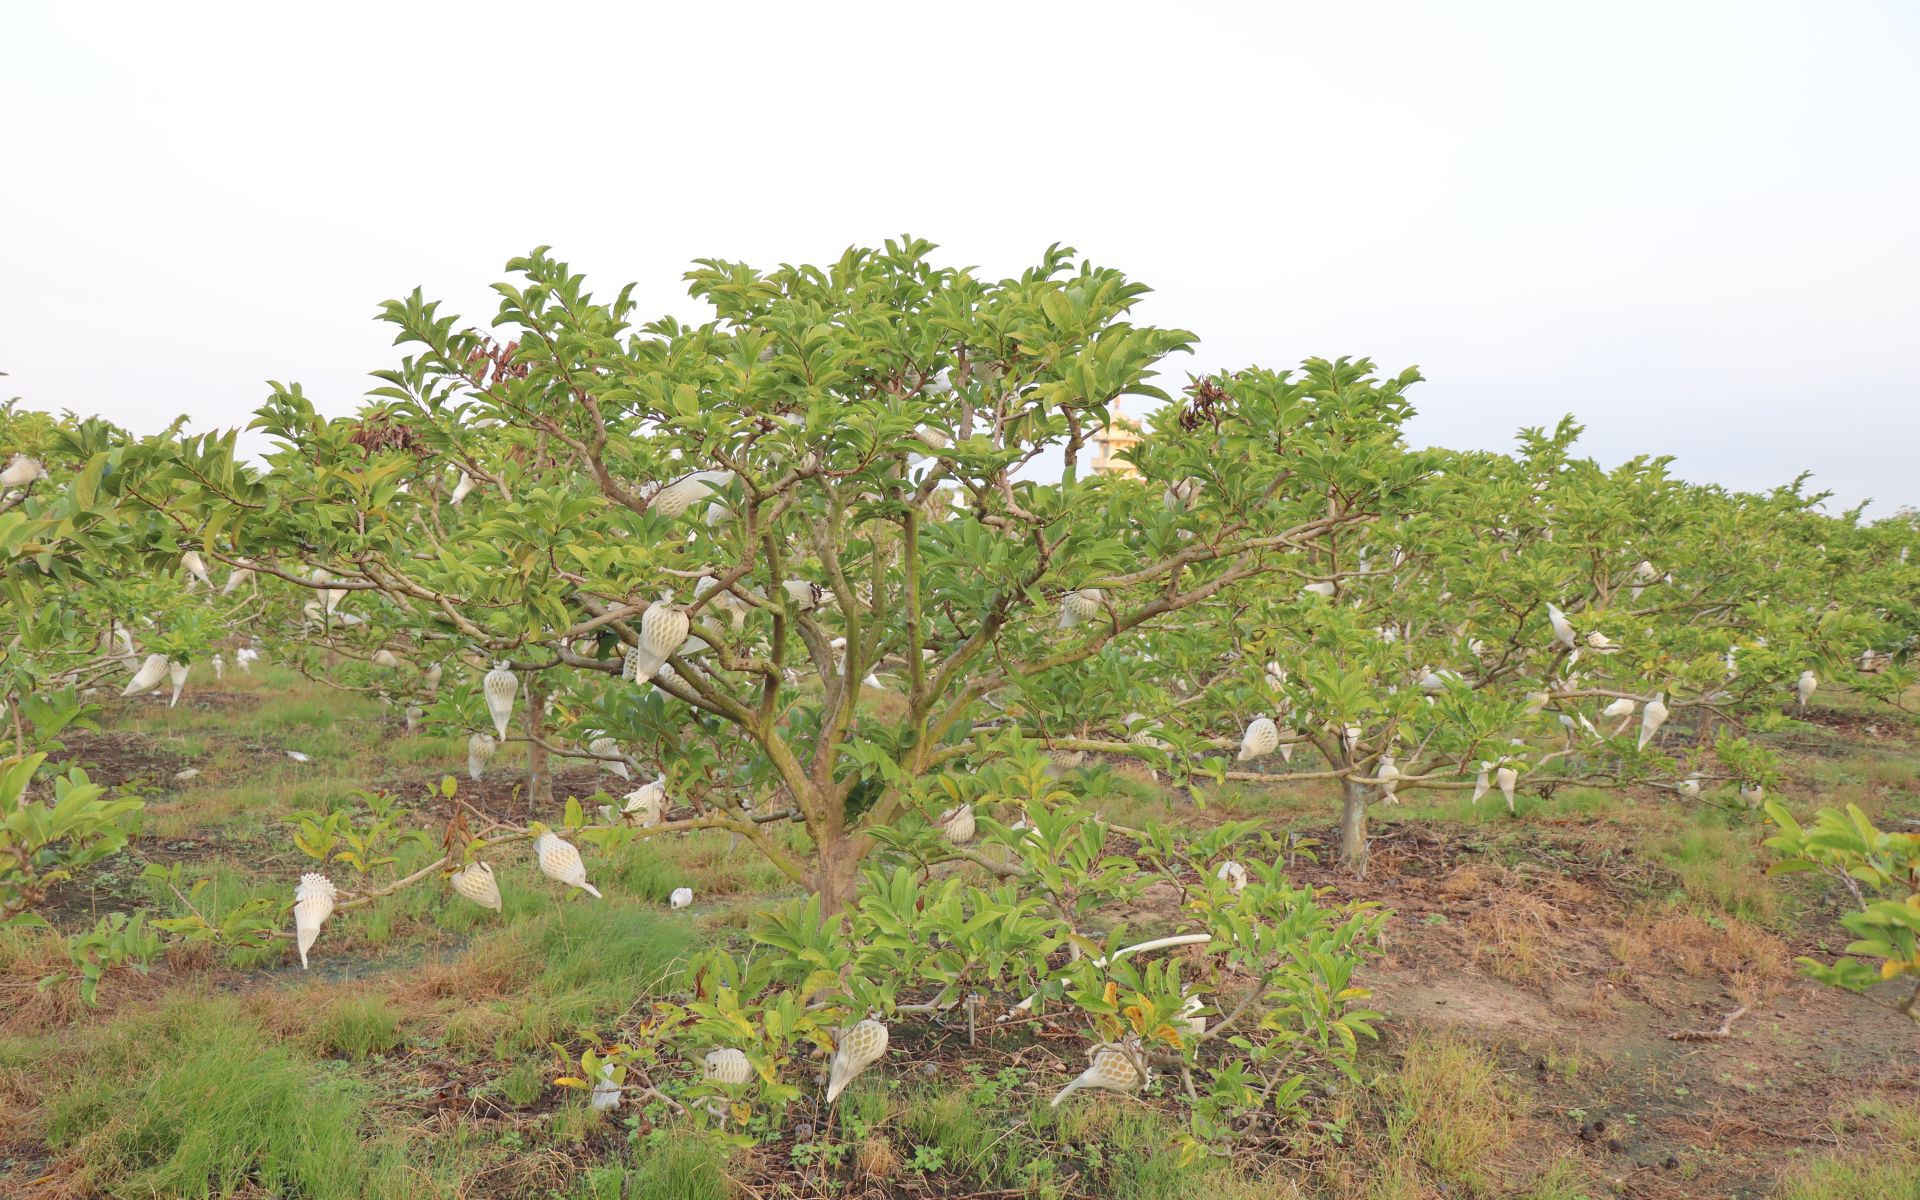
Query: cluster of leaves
(252, 923)
(82, 562)
(1881, 869)
(921, 947)
(46, 839)
(116, 940)
(361, 836)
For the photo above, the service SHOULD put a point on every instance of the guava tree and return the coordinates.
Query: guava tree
(1503, 620)
(789, 560)
(63, 544)
(822, 492)
(1871, 568)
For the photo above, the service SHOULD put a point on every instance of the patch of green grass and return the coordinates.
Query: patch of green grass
(650, 869)
(298, 788)
(175, 724)
(1901, 1122)
(316, 711)
(1566, 802)
(1127, 797)
(196, 1100)
(993, 1137)
(1890, 1173)
(1854, 1177)
(1449, 1111)
(411, 915)
(330, 746)
(411, 751)
(678, 1166)
(576, 1120)
(1719, 866)
(208, 810)
(1130, 1149)
(961, 1125)
(188, 746)
(356, 1027)
(524, 1083)
(599, 957)
(601, 1183)
(22, 1053)
(1891, 771)
(376, 923)
(582, 961)
(1313, 801)
(1563, 1180)
(228, 886)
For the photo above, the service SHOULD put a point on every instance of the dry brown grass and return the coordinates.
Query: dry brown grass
(21, 1094)
(1593, 1001)
(468, 977)
(1520, 934)
(876, 1158)
(1514, 942)
(1470, 880)
(1755, 963)
(27, 1009)
(460, 996)
(542, 1171)
(288, 1013)
(478, 1026)
(189, 956)
(1452, 1126)
(1571, 896)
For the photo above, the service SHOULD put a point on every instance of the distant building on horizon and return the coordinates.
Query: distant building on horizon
(1122, 433)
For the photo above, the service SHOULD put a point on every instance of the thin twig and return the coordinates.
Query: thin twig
(1710, 1035)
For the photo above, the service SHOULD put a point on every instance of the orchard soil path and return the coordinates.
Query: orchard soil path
(1584, 1018)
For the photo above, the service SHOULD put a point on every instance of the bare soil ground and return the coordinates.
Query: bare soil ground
(1579, 992)
(118, 759)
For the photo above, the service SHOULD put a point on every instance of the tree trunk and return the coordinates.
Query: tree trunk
(1353, 828)
(539, 777)
(836, 874)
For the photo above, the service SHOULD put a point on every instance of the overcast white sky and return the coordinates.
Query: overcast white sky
(1694, 225)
